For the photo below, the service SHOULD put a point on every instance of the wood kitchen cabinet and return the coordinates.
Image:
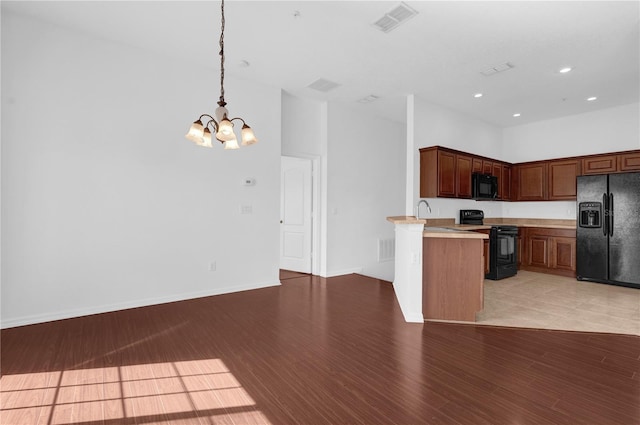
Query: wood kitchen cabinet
(629, 162)
(561, 178)
(602, 164)
(620, 162)
(437, 173)
(445, 173)
(550, 251)
(463, 176)
(504, 191)
(529, 180)
(476, 165)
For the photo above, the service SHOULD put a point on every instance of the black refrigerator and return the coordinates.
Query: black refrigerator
(608, 229)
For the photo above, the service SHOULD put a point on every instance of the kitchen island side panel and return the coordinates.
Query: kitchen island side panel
(452, 276)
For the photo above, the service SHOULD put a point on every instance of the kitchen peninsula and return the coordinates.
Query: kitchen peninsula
(439, 271)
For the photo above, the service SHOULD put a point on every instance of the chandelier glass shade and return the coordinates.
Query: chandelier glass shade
(206, 126)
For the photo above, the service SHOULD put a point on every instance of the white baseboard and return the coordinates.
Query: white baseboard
(343, 272)
(68, 314)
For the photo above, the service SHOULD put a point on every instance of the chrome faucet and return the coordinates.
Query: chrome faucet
(417, 214)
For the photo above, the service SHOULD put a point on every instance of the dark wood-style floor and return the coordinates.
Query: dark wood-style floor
(313, 351)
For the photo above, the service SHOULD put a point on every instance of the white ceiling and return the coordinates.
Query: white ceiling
(437, 55)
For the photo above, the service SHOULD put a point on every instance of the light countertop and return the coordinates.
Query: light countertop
(446, 227)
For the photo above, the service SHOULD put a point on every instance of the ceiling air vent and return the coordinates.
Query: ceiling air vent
(497, 68)
(395, 17)
(323, 85)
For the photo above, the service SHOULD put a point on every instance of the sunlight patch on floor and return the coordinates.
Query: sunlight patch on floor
(197, 391)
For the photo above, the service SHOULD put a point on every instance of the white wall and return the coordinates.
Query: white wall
(301, 126)
(365, 184)
(105, 205)
(606, 130)
(439, 126)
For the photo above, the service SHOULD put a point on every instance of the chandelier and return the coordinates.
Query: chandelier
(221, 125)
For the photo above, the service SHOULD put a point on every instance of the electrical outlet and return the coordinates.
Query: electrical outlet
(212, 266)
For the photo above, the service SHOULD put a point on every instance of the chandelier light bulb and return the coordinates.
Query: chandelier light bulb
(225, 131)
(206, 139)
(248, 138)
(232, 143)
(195, 133)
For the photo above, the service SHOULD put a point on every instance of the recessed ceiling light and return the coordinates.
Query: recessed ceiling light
(565, 70)
(516, 115)
(477, 95)
(591, 99)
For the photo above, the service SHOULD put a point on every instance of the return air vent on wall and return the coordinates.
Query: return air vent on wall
(395, 17)
(323, 85)
(386, 250)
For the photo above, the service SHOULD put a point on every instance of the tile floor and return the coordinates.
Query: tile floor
(537, 300)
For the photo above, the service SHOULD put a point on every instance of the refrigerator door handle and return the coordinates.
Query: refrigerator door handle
(605, 222)
(611, 215)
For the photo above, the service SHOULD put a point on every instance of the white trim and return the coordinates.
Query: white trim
(343, 272)
(68, 314)
(324, 143)
(409, 179)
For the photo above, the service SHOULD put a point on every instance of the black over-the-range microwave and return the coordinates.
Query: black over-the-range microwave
(484, 186)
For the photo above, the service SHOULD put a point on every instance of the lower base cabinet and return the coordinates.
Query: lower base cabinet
(549, 250)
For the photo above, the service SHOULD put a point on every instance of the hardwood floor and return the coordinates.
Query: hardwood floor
(312, 351)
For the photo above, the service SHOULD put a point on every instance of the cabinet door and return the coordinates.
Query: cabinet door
(629, 162)
(532, 182)
(505, 183)
(476, 165)
(562, 179)
(446, 174)
(487, 167)
(428, 173)
(463, 176)
(563, 253)
(537, 251)
(601, 164)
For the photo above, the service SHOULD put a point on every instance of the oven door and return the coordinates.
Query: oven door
(506, 248)
(503, 257)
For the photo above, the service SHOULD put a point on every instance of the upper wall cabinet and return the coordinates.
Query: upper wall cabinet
(601, 164)
(562, 180)
(530, 181)
(445, 173)
(620, 162)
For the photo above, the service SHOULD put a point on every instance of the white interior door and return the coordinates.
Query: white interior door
(295, 214)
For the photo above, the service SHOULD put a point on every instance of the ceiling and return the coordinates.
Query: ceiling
(438, 55)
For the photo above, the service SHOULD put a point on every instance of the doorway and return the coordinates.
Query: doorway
(296, 214)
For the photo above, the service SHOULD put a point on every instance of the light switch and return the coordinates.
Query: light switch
(246, 209)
